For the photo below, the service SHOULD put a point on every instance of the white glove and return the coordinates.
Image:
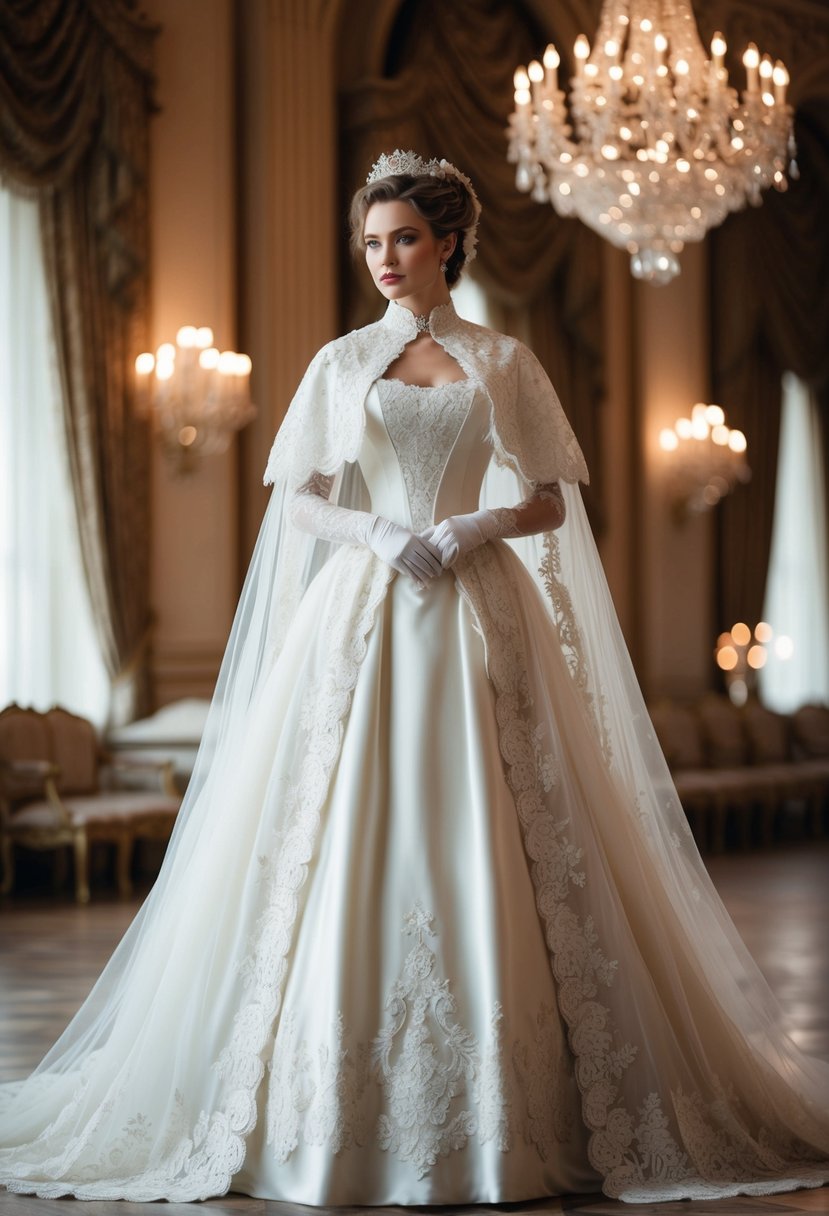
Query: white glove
(401, 549)
(460, 534)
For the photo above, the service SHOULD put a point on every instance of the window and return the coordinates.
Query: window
(797, 591)
(48, 648)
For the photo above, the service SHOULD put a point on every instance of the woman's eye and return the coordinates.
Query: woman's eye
(407, 238)
(372, 244)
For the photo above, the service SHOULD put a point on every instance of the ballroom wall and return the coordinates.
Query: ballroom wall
(246, 238)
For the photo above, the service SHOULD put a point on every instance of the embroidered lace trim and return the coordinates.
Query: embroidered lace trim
(441, 1088)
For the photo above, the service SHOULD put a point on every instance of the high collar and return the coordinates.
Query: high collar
(442, 319)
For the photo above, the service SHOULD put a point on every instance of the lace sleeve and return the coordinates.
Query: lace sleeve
(312, 512)
(543, 511)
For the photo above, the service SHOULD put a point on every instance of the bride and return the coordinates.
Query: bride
(431, 928)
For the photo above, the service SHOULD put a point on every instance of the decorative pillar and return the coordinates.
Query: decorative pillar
(193, 197)
(671, 334)
(292, 235)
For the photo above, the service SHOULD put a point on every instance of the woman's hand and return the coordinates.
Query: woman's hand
(404, 551)
(458, 535)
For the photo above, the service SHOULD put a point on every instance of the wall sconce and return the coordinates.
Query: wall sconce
(740, 654)
(197, 395)
(704, 460)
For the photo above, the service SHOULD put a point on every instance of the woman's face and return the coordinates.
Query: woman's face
(402, 253)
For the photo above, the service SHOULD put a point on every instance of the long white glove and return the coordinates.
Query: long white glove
(458, 535)
(401, 549)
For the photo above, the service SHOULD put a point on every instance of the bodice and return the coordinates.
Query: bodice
(425, 450)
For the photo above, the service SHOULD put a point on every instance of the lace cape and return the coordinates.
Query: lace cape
(323, 428)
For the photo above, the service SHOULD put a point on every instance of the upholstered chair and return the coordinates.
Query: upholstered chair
(59, 787)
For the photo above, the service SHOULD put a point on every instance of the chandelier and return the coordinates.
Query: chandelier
(656, 147)
(741, 653)
(704, 458)
(197, 394)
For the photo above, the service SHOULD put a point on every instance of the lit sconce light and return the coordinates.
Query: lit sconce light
(704, 460)
(740, 654)
(198, 396)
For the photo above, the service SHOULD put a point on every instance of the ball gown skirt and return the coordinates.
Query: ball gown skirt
(426, 954)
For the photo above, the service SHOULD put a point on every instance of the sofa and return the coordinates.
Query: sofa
(742, 766)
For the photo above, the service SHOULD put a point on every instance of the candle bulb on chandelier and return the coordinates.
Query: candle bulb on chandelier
(780, 78)
(536, 74)
(718, 49)
(751, 62)
(551, 61)
(581, 50)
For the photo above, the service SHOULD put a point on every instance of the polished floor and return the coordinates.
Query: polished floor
(51, 952)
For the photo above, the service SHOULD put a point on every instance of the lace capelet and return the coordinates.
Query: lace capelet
(324, 425)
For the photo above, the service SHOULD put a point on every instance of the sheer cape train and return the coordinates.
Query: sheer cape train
(689, 1085)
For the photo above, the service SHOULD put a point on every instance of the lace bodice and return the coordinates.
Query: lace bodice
(425, 450)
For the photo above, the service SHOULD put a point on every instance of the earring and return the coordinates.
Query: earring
(443, 268)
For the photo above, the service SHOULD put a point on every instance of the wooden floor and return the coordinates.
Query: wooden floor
(51, 951)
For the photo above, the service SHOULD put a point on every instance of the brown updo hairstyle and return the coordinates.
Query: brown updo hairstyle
(444, 202)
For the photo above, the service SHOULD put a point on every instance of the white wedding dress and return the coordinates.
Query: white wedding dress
(420, 1056)
(427, 952)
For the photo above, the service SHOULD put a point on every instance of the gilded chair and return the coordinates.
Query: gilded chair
(58, 788)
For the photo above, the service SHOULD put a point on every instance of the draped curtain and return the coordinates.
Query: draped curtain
(770, 314)
(49, 652)
(445, 91)
(75, 99)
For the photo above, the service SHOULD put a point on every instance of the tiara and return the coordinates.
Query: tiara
(398, 164)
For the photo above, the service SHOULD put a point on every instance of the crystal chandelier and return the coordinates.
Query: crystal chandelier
(198, 395)
(704, 460)
(657, 147)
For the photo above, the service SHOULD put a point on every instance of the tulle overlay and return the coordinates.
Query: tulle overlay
(432, 928)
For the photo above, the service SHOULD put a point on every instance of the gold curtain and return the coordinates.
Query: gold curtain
(75, 99)
(770, 314)
(446, 91)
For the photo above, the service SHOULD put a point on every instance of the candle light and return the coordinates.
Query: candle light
(751, 62)
(781, 78)
(581, 50)
(718, 49)
(551, 61)
(536, 74)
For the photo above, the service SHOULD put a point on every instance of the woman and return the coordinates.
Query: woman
(431, 928)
